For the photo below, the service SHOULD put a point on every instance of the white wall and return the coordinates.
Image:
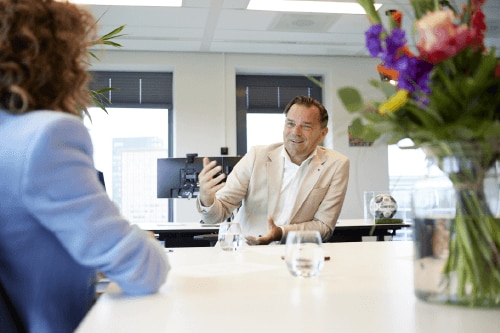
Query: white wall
(205, 104)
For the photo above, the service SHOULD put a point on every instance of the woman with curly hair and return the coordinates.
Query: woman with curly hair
(58, 227)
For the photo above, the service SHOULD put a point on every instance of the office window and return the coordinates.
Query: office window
(406, 168)
(264, 128)
(128, 139)
(127, 142)
(260, 102)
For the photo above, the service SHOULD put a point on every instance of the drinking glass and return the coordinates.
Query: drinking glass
(230, 236)
(304, 253)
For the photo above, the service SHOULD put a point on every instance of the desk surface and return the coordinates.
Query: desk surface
(364, 287)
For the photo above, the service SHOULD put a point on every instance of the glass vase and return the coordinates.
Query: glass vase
(457, 226)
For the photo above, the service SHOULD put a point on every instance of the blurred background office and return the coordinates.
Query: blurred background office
(186, 67)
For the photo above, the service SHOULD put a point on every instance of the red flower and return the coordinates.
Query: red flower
(441, 39)
(478, 27)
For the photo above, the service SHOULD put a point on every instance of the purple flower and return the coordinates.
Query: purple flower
(373, 42)
(393, 42)
(413, 72)
(422, 76)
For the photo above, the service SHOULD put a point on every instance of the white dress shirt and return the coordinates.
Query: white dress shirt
(293, 175)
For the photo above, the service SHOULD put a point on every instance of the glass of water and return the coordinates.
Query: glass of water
(230, 236)
(304, 253)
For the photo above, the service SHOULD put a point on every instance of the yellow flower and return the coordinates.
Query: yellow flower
(394, 103)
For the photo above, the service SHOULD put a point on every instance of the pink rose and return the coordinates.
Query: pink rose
(440, 38)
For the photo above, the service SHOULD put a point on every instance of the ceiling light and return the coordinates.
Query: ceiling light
(159, 3)
(308, 6)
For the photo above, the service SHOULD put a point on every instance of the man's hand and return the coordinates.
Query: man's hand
(208, 184)
(274, 235)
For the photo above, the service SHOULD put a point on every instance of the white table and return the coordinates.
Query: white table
(364, 287)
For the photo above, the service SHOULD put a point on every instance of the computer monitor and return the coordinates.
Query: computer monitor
(177, 177)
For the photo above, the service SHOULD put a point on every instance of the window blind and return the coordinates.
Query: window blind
(135, 88)
(271, 93)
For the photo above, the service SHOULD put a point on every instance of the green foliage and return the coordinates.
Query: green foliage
(421, 7)
(108, 39)
(99, 98)
(464, 105)
(351, 98)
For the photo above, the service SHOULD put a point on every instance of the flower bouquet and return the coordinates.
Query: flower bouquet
(445, 97)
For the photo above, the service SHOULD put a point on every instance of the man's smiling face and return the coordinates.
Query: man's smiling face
(302, 132)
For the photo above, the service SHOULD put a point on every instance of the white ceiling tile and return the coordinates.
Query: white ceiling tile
(226, 26)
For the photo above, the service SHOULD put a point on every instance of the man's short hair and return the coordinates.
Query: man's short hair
(308, 101)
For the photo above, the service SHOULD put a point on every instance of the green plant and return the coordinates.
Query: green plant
(99, 98)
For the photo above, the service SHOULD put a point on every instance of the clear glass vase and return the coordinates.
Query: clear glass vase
(457, 226)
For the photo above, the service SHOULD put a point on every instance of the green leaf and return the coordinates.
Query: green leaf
(356, 129)
(93, 55)
(114, 34)
(359, 130)
(97, 96)
(351, 98)
(370, 134)
(110, 43)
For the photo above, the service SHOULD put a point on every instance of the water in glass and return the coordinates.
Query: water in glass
(304, 254)
(230, 237)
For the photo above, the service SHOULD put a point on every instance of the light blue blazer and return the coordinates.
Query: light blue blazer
(58, 226)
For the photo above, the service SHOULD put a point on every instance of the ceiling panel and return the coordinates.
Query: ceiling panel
(226, 26)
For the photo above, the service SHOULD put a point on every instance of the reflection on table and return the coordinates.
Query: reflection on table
(364, 287)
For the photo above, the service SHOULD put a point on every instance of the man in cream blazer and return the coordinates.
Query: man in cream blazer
(294, 185)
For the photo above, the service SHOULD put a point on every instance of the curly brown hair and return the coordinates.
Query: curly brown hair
(44, 57)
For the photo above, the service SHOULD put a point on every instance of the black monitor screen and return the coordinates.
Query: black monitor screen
(177, 177)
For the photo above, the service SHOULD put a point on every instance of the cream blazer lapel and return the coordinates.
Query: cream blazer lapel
(274, 167)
